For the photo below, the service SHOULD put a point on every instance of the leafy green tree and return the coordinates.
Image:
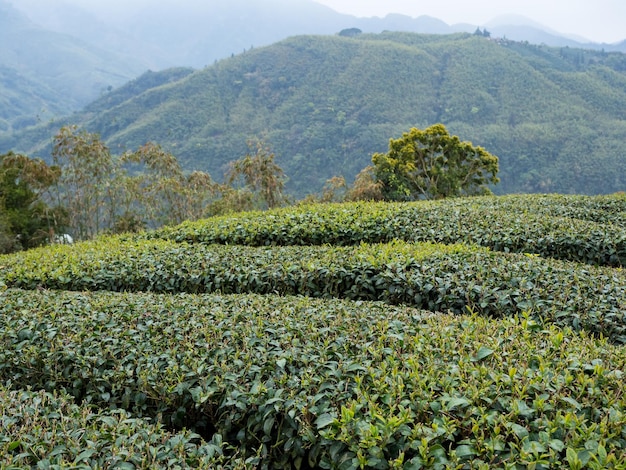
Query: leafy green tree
(7, 239)
(350, 32)
(260, 174)
(432, 164)
(26, 220)
(161, 191)
(85, 186)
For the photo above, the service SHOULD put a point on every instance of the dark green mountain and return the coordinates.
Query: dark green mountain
(556, 117)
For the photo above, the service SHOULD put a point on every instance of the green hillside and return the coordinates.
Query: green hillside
(373, 345)
(44, 74)
(23, 101)
(555, 117)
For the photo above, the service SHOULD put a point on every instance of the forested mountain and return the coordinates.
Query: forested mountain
(56, 56)
(45, 74)
(556, 117)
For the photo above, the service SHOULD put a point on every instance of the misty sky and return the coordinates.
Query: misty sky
(597, 20)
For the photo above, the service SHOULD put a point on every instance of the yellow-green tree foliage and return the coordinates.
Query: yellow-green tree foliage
(432, 164)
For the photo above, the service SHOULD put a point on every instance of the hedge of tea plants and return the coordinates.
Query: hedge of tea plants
(40, 429)
(576, 228)
(445, 278)
(294, 382)
(415, 354)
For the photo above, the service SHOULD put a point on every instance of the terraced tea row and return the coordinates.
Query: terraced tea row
(456, 278)
(297, 381)
(48, 430)
(576, 228)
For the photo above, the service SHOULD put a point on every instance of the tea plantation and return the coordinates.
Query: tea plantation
(470, 333)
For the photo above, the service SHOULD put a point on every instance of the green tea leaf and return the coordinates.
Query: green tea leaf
(457, 402)
(483, 353)
(324, 420)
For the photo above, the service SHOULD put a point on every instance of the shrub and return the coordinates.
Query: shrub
(322, 383)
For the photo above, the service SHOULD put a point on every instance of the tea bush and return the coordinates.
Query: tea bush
(576, 228)
(523, 367)
(48, 430)
(297, 382)
(442, 278)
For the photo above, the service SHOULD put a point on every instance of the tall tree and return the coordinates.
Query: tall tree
(432, 164)
(260, 173)
(144, 188)
(162, 192)
(25, 218)
(85, 187)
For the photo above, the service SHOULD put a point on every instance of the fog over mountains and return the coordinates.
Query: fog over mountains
(57, 56)
(195, 33)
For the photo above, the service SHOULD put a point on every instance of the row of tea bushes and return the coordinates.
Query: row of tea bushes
(605, 209)
(296, 382)
(40, 429)
(118, 263)
(574, 228)
(446, 278)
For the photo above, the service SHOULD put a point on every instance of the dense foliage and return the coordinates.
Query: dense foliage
(554, 117)
(432, 164)
(576, 228)
(89, 191)
(26, 220)
(49, 430)
(339, 353)
(443, 278)
(294, 382)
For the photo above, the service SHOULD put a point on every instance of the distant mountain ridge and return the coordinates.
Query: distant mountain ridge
(44, 74)
(77, 53)
(171, 33)
(556, 117)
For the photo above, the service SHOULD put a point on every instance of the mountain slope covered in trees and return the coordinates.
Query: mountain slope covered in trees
(44, 74)
(56, 56)
(556, 117)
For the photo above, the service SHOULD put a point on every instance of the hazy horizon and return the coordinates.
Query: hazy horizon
(601, 21)
(598, 21)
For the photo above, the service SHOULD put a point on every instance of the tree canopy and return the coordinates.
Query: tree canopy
(147, 188)
(260, 173)
(432, 164)
(26, 220)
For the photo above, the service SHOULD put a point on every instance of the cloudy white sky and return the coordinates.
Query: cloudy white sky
(597, 20)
